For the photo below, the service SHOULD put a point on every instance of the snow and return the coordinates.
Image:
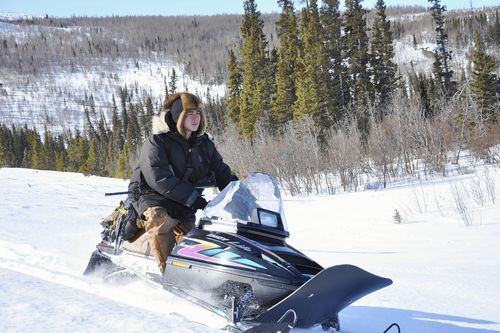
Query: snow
(445, 273)
(32, 101)
(16, 16)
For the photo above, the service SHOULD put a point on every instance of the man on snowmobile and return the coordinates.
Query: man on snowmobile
(174, 162)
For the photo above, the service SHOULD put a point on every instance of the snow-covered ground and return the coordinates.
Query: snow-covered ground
(446, 274)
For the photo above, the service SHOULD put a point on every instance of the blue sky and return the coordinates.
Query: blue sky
(175, 7)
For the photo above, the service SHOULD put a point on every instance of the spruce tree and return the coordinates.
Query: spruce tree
(356, 48)
(266, 89)
(91, 165)
(234, 84)
(424, 90)
(124, 99)
(48, 150)
(285, 97)
(35, 151)
(133, 135)
(122, 169)
(252, 101)
(383, 69)
(172, 85)
(116, 141)
(312, 75)
(2, 154)
(103, 138)
(215, 113)
(442, 56)
(356, 54)
(495, 30)
(60, 161)
(146, 120)
(82, 151)
(485, 83)
(338, 83)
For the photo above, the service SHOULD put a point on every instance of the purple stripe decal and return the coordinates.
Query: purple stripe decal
(193, 252)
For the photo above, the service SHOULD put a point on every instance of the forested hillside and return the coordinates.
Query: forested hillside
(322, 98)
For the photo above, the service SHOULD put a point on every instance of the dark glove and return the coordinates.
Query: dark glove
(199, 203)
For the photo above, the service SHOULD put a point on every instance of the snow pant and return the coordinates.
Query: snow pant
(160, 232)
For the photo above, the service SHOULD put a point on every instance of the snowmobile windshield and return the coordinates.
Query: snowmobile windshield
(255, 199)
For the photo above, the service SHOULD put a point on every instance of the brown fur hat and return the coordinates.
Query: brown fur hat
(178, 104)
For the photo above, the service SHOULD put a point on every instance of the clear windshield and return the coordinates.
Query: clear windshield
(240, 199)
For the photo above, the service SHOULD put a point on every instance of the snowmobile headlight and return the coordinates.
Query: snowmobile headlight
(268, 218)
(265, 222)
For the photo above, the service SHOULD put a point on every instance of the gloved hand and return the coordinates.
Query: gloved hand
(199, 203)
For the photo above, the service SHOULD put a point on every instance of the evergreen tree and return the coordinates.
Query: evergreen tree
(60, 161)
(266, 89)
(123, 170)
(383, 69)
(88, 126)
(234, 86)
(312, 75)
(116, 141)
(338, 85)
(485, 83)
(4, 145)
(287, 30)
(82, 154)
(172, 85)
(424, 90)
(495, 29)
(254, 64)
(2, 154)
(91, 165)
(48, 151)
(133, 135)
(124, 99)
(442, 56)
(356, 48)
(356, 54)
(165, 86)
(103, 136)
(35, 152)
(215, 111)
(146, 120)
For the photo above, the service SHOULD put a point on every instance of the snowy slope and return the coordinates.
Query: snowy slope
(445, 274)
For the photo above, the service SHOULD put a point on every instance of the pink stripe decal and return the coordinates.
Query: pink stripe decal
(193, 252)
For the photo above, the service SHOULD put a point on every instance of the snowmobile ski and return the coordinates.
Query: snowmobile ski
(319, 300)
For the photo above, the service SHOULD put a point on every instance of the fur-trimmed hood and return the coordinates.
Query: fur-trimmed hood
(160, 124)
(178, 104)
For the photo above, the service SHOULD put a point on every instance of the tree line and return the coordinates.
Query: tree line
(329, 68)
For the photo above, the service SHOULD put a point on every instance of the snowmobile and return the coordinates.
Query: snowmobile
(237, 264)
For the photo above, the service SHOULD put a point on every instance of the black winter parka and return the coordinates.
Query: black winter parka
(171, 167)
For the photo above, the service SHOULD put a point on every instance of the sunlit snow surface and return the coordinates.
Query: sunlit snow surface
(446, 275)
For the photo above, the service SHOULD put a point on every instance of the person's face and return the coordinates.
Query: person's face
(192, 120)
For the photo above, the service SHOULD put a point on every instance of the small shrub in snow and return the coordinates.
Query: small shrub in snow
(397, 217)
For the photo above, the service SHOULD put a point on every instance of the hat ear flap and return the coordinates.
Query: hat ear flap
(170, 100)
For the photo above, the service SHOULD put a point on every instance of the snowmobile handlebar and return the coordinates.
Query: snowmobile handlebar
(118, 193)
